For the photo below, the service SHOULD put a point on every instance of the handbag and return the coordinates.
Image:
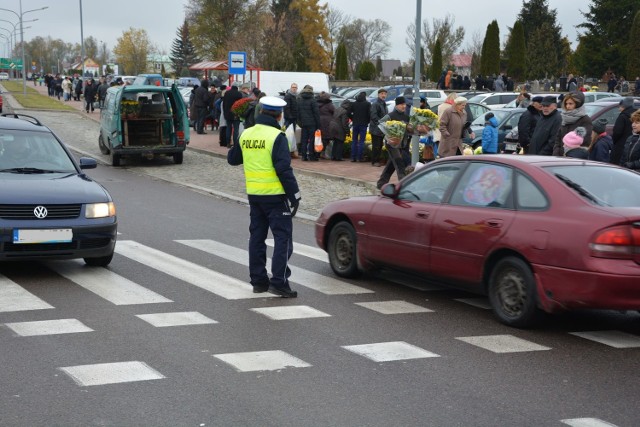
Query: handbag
(291, 136)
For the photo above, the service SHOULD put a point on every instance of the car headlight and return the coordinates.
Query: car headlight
(100, 210)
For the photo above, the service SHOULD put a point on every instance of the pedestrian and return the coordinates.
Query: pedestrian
(636, 87)
(77, 89)
(546, 130)
(309, 121)
(631, 154)
(339, 129)
(573, 116)
(622, 128)
(572, 144)
(291, 113)
(378, 111)
(361, 117)
(441, 109)
(326, 110)
(201, 103)
(612, 83)
(399, 157)
(452, 126)
(273, 195)
(102, 92)
(527, 122)
(90, 91)
(222, 122)
(233, 122)
(523, 100)
(490, 134)
(601, 143)
(66, 88)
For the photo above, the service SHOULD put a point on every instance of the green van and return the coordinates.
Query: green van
(143, 121)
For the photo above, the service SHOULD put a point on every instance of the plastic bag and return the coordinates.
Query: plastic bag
(317, 145)
(291, 136)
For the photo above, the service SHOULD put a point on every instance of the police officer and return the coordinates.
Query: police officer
(273, 195)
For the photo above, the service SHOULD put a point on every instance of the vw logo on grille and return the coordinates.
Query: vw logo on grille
(40, 212)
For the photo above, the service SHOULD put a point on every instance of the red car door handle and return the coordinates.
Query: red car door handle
(422, 214)
(497, 223)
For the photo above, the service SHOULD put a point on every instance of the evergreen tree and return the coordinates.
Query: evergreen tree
(516, 52)
(633, 62)
(378, 66)
(183, 53)
(367, 71)
(490, 60)
(342, 68)
(542, 61)
(423, 64)
(436, 64)
(533, 15)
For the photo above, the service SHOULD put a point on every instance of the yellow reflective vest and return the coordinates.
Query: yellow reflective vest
(260, 175)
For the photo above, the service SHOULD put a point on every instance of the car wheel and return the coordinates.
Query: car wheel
(115, 159)
(102, 146)
(102, 261)
(343, 250)
(178, 157)
(512, 293)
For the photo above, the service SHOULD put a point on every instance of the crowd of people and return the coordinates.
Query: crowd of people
(87, 90)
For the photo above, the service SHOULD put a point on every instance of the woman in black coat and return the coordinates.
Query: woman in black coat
(339, 128)
(326, 108)
(631, 154)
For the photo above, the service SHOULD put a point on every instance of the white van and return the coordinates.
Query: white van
(4, 76)
(275, 83)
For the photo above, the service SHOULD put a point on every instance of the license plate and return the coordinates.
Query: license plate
(511, 146)
(53, 235)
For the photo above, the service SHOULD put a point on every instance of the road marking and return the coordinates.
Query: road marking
(111, 373)
(204, 278)
(261, 361)
(394, 307)
(107, 284)
(163, 320)
(48, 327)
(617, 339)
(503, 343)
(290, 312)
(14, 297)
(587, 422)
(482, 303)
(390, 351)
(317, 282)
(306, 250)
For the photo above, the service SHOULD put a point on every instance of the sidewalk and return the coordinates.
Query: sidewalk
(209, 144)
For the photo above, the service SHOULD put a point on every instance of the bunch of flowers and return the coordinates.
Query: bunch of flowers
(423, 116)
(240, 107)
(394, 130)
(129, 108)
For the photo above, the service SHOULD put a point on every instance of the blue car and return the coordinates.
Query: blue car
(49, 209)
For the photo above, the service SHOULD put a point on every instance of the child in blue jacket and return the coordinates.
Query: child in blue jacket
(490, 135)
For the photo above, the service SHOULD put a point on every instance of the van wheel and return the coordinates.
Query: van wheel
(102, 146)
(115, 159)
(177, 158)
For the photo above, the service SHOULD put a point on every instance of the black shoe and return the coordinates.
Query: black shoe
(260, 289)
(314, 159)
(353, 160)
(305, 159)
(284, 293)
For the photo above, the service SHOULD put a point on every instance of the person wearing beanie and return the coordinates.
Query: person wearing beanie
(527, 122)
(309, 120)
(572, 144)
(490, 134)
(601, 142)
(399, 157)
(573, 116)
(621, 129)
(631, 155)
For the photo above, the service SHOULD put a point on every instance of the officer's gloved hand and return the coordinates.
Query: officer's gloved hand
(294, 205)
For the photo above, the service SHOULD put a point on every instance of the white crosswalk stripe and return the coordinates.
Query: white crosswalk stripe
(306, 250)
(14, 297)
(204, 278)
(48, 327)
(107, 284)
(111, 373)
(586, 422)
(317, 282)
(616, 339)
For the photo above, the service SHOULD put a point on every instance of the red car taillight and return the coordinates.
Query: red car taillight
(617, 242)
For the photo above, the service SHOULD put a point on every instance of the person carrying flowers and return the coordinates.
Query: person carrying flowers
(394, 127)
(425, 121)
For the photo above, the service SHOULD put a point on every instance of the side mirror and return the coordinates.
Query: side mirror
(88, 163)
(389, 190)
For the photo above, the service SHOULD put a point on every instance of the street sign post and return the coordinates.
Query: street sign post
(238, 63)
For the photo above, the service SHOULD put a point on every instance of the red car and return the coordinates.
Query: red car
(534, 233)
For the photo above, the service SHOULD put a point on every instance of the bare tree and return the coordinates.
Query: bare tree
(451, 37)
(335, 20)
(365, 40)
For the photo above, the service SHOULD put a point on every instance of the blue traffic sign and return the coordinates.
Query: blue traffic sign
(237, 62)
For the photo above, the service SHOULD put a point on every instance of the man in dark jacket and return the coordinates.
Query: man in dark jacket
(90, 92)
(527, 122)
(399, 157)
(622, 129)
(309, 120)
(201, 103)
(378, 111)
(361, 117)
(544, 135)
(233, 122)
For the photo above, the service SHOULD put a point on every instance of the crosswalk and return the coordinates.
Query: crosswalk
(122, 291)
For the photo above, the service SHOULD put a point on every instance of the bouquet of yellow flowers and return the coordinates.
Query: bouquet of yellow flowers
(394, 130)
(423, 116)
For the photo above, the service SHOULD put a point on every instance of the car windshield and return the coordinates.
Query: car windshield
(605, 185)
(592, 109)
(500, 116)
(478, 98)
(25, 151)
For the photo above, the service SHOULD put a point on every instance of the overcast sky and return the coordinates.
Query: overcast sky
(106, 20)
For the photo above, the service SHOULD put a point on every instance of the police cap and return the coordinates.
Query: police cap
(272, 103)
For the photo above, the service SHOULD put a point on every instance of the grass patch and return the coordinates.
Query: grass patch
(33, 99)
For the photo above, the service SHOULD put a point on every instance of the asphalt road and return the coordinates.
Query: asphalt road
(170, 335)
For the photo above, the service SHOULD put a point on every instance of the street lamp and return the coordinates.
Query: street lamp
(20, 15)
(8, 41)
(15, 30)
